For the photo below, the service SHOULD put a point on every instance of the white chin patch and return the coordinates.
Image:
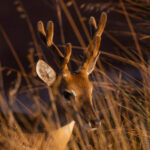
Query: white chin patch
(89, 127)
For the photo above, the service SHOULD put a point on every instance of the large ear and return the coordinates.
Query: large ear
(45, 72)
(92, 64)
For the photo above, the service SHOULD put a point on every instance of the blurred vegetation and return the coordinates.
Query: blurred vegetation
(121, 80)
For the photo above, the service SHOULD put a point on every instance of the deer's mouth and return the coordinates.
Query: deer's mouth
(90, 120)
(88, 124)
(88, 127)
(93, 125)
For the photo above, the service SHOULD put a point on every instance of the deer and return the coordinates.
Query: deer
(74, 87)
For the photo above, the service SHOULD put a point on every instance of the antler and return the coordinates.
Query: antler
(48, 40)
(92, 52)
(48, 37)
(64, 68)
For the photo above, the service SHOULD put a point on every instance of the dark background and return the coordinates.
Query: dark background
(19, 25)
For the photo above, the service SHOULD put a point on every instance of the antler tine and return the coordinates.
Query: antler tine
(102, 24)
(50, 33)
(93, 25)
(92, 22)
(65, 69)
(41, 30)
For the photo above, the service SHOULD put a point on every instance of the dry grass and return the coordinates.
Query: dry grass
(123, 102)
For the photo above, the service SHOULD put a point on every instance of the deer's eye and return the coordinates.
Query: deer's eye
(68, 95)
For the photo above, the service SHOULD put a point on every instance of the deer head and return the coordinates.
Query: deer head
(75, 87)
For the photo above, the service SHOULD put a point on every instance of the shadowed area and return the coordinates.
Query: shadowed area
(120, 79)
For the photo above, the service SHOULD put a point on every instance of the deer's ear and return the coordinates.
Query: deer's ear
(45, 72)
(92, 64)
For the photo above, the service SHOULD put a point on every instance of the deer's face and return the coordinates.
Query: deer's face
(79, 88)
(75, 88)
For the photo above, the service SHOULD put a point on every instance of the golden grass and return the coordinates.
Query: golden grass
(124, 104)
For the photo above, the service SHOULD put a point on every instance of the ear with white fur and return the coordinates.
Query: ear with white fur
(45, 72)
